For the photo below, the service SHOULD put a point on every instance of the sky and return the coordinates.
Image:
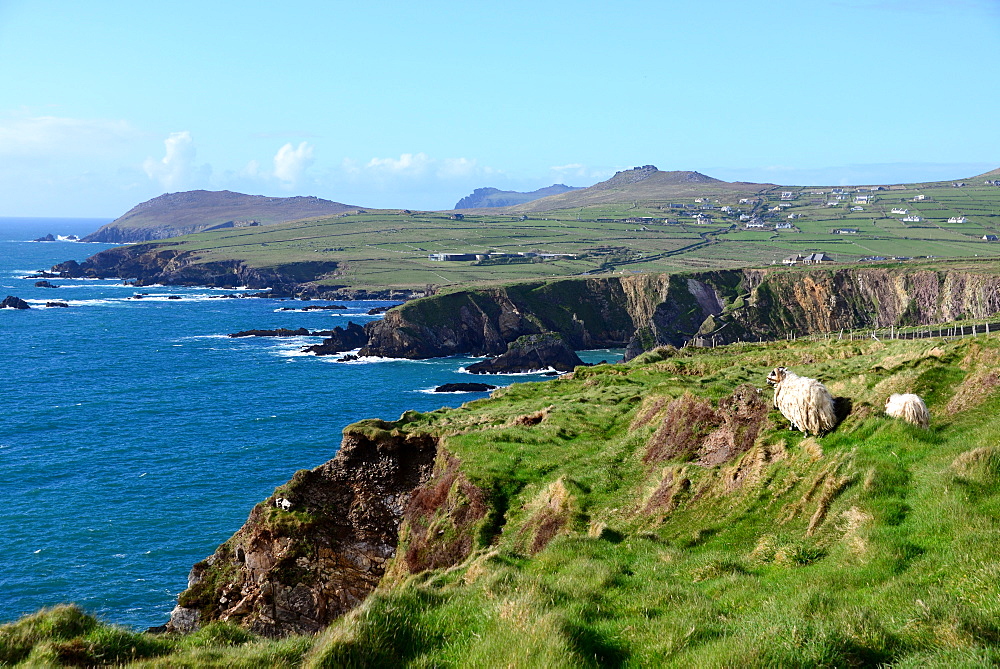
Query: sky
(386, 103)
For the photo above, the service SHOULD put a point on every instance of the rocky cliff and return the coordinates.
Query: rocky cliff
(494, 197)
(150, 264)
(644, 311)
(319, 545)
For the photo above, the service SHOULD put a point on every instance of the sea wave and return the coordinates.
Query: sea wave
(431, 391)
(547, 370)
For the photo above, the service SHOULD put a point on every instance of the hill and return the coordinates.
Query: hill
(647, 184)
(632, 225)
(174, 214)
(656, 513)
(493, 197)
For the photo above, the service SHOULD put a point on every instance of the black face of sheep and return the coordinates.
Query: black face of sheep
(776, 376)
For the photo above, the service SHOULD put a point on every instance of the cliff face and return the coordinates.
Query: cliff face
(152, 264)
(318, 546)
(589, 313)
(829, 300)
(644, 311)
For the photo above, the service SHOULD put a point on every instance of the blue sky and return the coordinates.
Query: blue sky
(401, 104)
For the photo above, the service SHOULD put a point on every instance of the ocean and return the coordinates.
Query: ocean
(135, 436)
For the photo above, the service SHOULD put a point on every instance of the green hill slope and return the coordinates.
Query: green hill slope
(656, 513)
(628, 224)
(183, 213)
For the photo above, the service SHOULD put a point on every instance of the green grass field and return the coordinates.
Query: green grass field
(390, 248)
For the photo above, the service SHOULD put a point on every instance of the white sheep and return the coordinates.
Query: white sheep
(908, 407)
(805, 402)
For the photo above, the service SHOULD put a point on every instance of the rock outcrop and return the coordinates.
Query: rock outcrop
(464, 388)
(280, 332)
(531, 353)
(494, 197)
(319, 545)
(149, 264)
(339, 340)
(644, 311)
(12, 302)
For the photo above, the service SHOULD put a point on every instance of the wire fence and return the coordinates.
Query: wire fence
(878, 333)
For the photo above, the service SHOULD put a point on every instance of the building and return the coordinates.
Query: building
(899, 210)
(815, 258)
(910, 219)
(783, 226)
(845, 231)
(861, 199)
(451, 257)
(958, 219)
(792, 259)
(919, 198)
(989, 238)
(787, 195)
(857, 208)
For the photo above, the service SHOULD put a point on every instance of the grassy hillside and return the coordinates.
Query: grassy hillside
(174, 214)
(390, 248)
(658, 513)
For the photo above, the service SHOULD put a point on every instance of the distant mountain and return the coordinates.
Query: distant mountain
(183, 213)
(493, 197)
(641, 183)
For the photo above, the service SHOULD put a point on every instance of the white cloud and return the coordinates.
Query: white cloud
(175, 170)
(458, 168)
(56, 137)
(581, 173)
(411, 164)
(290, 162)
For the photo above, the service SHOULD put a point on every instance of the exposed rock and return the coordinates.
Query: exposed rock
(464, 388)
(149, 264)
(294, 571)
(56, 304)
(374, 311)
(281, 332)
(494, 197)
(315, 307)
(643, 312)
(340, 340)
(47, 238)
(531, 353)
(44, 284)
(12, 302)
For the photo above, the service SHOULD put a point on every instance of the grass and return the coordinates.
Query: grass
(389, 249)
(873, 545)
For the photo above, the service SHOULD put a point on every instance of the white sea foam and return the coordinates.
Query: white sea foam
(296, 353)
(195, 337)
(365, 360)
(431, 391)
(464, 370)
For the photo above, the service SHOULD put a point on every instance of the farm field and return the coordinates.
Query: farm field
(391, 248)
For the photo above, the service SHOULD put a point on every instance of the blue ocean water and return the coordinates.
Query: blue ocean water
(135, 436)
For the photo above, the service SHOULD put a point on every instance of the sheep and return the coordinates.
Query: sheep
(805, 402)
(908, 407)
